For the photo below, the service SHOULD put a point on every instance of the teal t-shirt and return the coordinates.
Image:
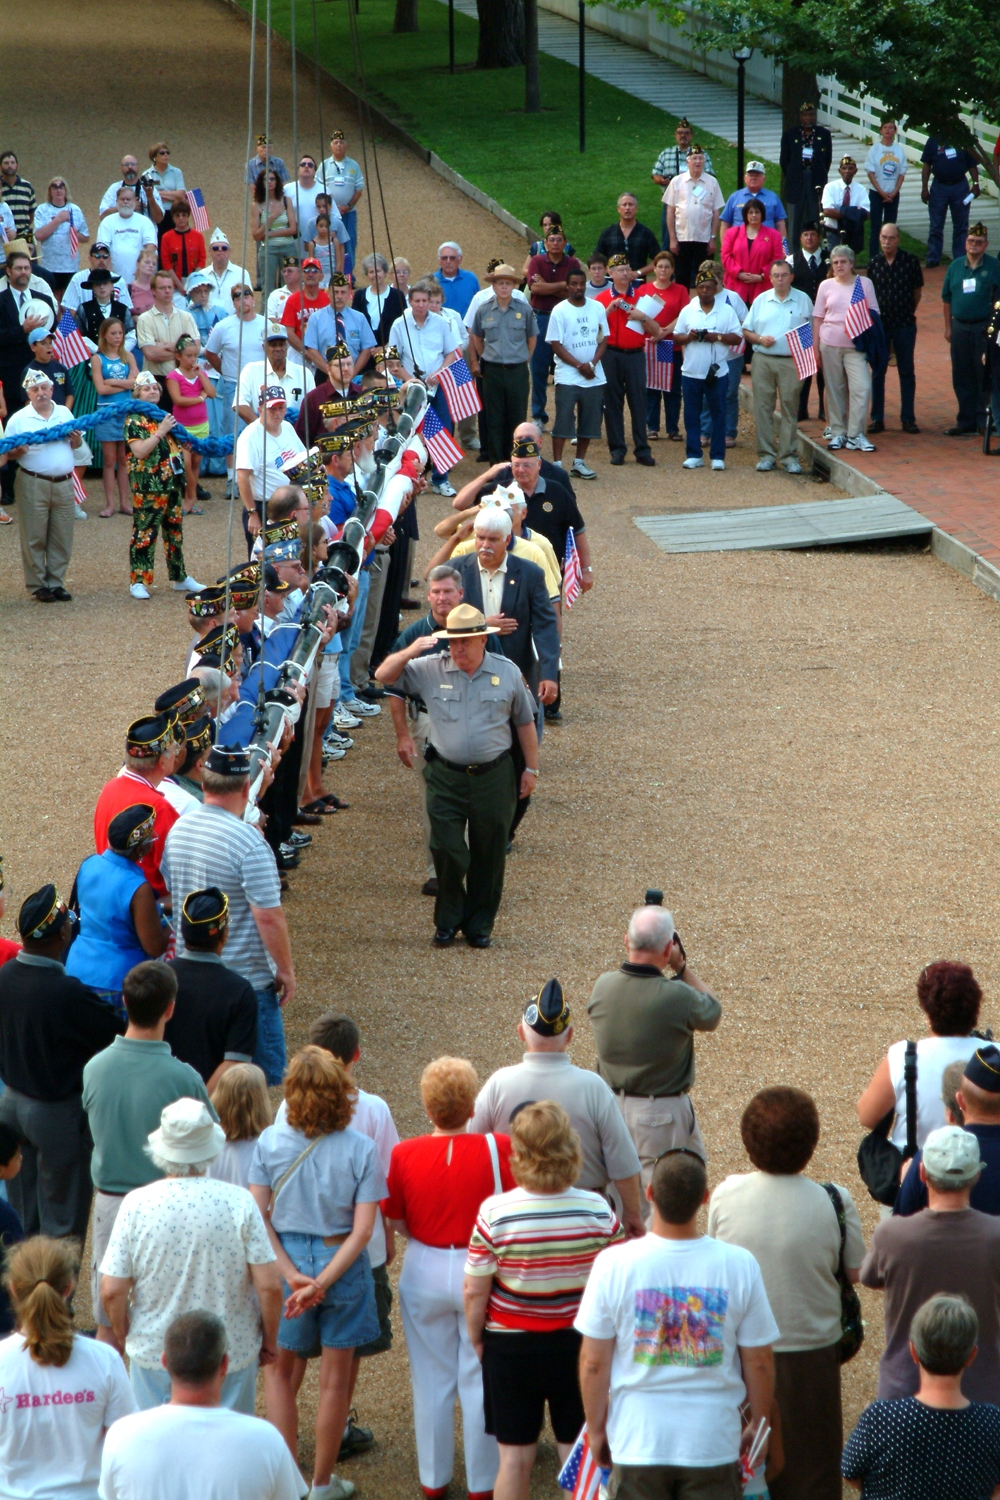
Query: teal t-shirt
(971, 292)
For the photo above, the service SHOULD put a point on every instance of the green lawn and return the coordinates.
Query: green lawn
(475, 121)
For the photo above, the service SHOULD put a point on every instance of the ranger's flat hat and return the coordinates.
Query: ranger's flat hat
(503, 272)
(463, 621)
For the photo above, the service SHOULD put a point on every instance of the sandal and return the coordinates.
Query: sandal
(320, 807)
(5, 519)
(337, 802)
(105, 515)
(195, 510)
(674, 437)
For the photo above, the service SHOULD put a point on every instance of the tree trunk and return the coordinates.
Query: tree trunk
(405, 18)
(532, 82)
(797, 87)
(501, 33)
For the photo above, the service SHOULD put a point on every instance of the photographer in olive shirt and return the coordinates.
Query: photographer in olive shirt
(644, 1024)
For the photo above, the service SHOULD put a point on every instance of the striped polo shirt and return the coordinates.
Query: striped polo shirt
(539, 1248)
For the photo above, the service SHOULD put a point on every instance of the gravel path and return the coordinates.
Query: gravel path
(797, 747)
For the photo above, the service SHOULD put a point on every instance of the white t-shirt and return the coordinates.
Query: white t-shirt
(44, 458)
(888, 165)
(699, 358)
(296, 382)
(579, 330)
(233, 1162)
(833, 197)
(303, 200)
(224, 340)
(186, 1243)
(478, 298)
(197, 1453)
(125, 239)
(789, 1225)
(677, 1310)
(52, 1420)
(264, 453)
(934, 1053)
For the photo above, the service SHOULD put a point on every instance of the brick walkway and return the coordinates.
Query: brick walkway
(947, 479)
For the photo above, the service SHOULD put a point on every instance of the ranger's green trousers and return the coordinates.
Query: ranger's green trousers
(470, 876)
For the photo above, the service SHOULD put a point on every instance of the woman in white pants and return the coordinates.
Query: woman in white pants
(436, 1185)
(845, 369)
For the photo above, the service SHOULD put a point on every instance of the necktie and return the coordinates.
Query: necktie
(847, 199)
(22, 296)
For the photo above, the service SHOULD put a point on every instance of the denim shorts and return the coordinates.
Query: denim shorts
(347, 1317)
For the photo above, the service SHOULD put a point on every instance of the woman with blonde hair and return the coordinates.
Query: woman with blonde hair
(529, 1259)
(318, 1184)
(240, 1100)
(436, 1185)
(52, 224)
(141, 289)
(63, 1391)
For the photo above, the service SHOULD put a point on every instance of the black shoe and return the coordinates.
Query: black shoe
(355, 1440)
(874, 427)
(479, 941)
(910, 427)
(61, 595)
(553, 716)
(373, 692)
(646, 459)
(45, 596)
(305, 819)
(410, 604)
(960, 432)
(443, 937)
(482, 458)
(202, 493)
(617, 459)
(430, 887)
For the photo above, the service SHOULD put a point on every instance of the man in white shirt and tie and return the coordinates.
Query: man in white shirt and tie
(810, 263)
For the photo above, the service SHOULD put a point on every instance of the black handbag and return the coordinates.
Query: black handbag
(852, 1328)
(879, 1161)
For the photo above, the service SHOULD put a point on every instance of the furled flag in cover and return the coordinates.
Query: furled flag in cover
(802, 350)
(572, 572)
(199, 213)
(660, 365)
(67, 342)
(441, 446)
(460, 391)
(580, 1474)
(858, 319)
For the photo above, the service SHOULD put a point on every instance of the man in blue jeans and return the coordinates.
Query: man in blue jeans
(899, 283)
(215, 847)
(705, 330)
(944, 185)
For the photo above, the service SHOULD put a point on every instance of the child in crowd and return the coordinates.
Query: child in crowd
(240, 1100)
(190, 389)
(598, 279)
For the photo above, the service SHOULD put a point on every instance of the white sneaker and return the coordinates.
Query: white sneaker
(792, 466)
(582, 470)
(331, 752)
(344, 719)
(765, 465)
(360, 709)
(473, 445)
(827, 434)
(139, 591)
(81, 514)
(333, 740)
(444, 488)
(860, 444)
(835, 444)
(337, 1489)
(188, 585)
(718, 463)
(693, 463)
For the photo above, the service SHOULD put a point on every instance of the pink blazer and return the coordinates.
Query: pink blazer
(758, 255)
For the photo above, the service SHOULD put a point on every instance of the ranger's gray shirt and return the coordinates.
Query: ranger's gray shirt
(469, 716)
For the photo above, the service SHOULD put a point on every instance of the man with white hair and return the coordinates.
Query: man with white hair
(459, 286)
(644, 1025)
(460, 541)
(43, 488)
(221, 274)
(126, 231)
(190, 1242)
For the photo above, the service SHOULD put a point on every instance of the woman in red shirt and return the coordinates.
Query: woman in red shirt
(436, 1185)
(749, 250)
(674, 298)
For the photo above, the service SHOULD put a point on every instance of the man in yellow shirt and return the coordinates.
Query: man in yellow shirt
(458, 529)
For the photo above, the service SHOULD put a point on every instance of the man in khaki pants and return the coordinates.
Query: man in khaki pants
(644, 1024)
(44, 490)
(771, 318)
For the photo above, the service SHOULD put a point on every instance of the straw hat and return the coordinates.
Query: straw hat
(465, 620)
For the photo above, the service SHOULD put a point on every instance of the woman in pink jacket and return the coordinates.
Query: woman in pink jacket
(748, 252)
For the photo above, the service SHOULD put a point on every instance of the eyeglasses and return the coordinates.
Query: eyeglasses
(58, 184)
(307, 163)
(163, 151)
(101, 254)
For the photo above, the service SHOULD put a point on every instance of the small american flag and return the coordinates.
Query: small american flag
(660, 365)
(199, 213)
(802, 350)
(460, 391)
(79, 493)
(580, 1474)
(74, 238)
(441, 446)
(67, 342)
(857, 318)
(572, 589)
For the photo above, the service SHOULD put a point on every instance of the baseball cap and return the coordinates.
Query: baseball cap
(755, 166)
(952, 1157)
(311, 264)
(273, 395)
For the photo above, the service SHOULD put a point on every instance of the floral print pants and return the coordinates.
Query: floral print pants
(151, 514)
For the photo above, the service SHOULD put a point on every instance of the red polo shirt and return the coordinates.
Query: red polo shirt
(125, 790)
(541, 265)
(298, 310)
(620, 335)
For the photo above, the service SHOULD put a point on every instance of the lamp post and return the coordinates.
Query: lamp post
(741, 56)
(451, 36)
(581, 38)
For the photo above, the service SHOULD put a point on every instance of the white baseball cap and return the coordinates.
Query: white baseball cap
(952, 1156)
(755, 166)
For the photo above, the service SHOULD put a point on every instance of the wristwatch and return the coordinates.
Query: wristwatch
(530, 771)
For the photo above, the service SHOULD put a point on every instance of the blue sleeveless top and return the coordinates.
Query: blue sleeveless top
(107, 945)
(112, 369)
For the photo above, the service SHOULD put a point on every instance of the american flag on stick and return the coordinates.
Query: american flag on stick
(858, 319)
(79, 493)
(441, 446)
(460, 391)
(67, 342)
(572, 589)
(580, 1474)
(199, 213)
(660, 365)
(74, 238)
(802, 350)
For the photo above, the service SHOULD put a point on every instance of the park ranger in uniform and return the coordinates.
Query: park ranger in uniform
(502, 340)
(472, 700)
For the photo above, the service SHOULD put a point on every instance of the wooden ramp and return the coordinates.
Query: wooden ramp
(819, 523)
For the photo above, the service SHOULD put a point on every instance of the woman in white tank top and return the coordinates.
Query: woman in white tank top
(950, 998)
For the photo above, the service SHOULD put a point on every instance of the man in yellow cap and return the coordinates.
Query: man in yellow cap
(471, 792)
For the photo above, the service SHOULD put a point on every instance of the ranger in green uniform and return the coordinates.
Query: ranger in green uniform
(472, 700)
(502, 340)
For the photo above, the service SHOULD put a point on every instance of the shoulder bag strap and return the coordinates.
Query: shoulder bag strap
(838, 1208)
(289, 1172)
(491, 1144)
(910, 1086)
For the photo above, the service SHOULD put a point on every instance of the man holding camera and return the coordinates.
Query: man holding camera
(644, 1022)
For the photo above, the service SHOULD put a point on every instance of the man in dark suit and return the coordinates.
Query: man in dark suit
(806, 157)
(810, 264)
(15, 351)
